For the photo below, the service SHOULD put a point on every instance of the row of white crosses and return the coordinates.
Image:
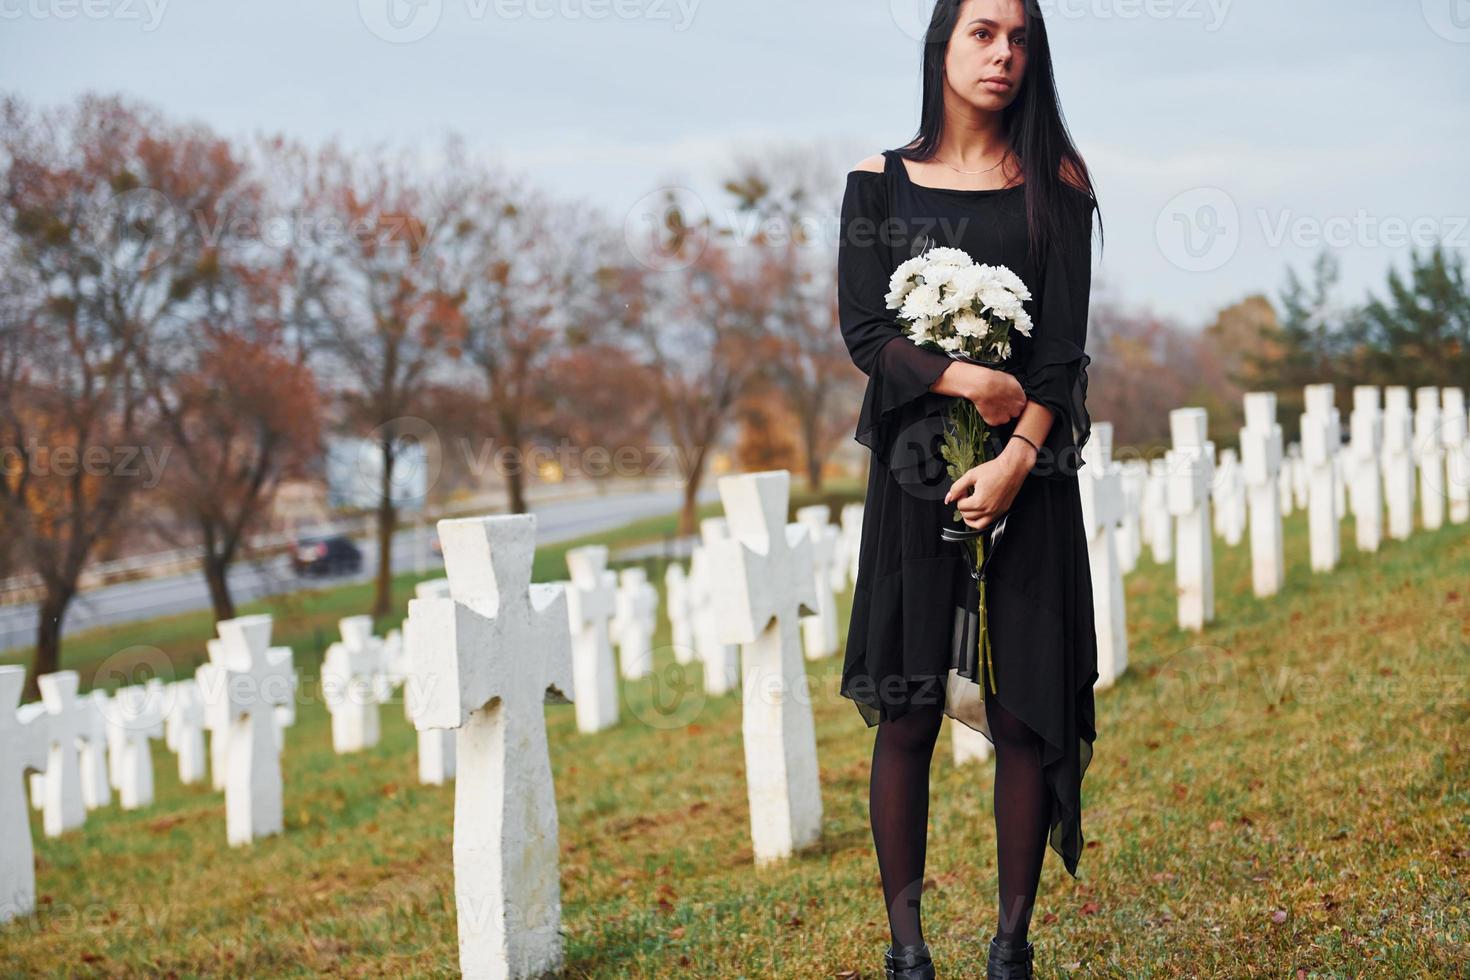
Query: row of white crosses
(78, 748)
(487, 657)
(1393, 455)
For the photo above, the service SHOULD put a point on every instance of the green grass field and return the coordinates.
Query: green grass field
(1286, 794)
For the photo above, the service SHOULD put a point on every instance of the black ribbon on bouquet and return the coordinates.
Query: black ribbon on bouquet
(994, 531)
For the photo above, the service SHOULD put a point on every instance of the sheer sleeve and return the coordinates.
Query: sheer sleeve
(900, 416)
(1055, 371)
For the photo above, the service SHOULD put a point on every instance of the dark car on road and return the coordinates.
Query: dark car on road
(326, 556)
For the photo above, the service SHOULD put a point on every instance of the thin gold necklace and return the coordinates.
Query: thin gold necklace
(972, 172)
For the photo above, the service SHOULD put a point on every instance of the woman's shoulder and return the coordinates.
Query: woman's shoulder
(874, 164)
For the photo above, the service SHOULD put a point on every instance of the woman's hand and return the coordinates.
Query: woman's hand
(996, 395)
(987, 491)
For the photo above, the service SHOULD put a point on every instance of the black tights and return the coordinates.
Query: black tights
(898, 806)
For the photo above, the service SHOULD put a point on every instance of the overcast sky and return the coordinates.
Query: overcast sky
(1226, 139)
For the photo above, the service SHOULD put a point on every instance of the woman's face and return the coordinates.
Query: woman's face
(987, 53)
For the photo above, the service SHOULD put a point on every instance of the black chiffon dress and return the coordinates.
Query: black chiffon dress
(911, 617)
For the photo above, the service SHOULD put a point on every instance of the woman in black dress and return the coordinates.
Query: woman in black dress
(992, 172)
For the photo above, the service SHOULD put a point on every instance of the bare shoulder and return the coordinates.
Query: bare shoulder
(873, 164)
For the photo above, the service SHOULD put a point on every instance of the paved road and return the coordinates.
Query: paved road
(145, 599)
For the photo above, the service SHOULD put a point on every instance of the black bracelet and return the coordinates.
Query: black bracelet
(1017, 435)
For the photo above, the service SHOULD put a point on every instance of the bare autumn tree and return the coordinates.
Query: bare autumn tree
(525, 270)
(96, 199)
(240, 417)
(234, 399)
(698, 312)
(606, 412)
(779, 199)
(389, 317)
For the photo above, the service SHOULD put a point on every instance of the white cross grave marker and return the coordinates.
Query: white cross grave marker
(1321, 441)
(1429, 454)
(819, 632)
(1457, 453)
(96, 787)
(493, 654)
(23, 746)
(66, 719)
(1398, 461)
(680, 595)
(1365, 485)
(436, 746)
(350, 686)
(1260, 453)
(256, 678)
(634, 623)
(590, 605)
(769, 586)
(137, 715)
(721, 660)
(184, 731)
(1101, 486)
(1191, 465)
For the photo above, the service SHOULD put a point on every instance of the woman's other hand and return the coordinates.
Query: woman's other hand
(987, 491)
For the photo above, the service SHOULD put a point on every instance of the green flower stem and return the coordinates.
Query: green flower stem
(964, 449)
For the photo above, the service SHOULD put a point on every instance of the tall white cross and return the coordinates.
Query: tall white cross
(1365, 487)
(492, 655)
(1456, 441)
(634, 623)
(257, 678)
(184, 728)
(1398, 460)
(591, 603)
(66, 726)
(137, 716)
(23, 746)
(1429, 453)
(436, 746)
(1260, 453)
(819, 632)
(721, 660)
(1321, 441)
(767, 585)
(1101, 486)
(1158, 523)
(679, 597)
(96, 782)
(350, 685)
(1191, 466)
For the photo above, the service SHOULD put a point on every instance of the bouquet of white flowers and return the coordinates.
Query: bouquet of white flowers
(965, 310)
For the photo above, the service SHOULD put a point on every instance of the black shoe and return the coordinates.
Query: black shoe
(908, 962)
(1008, 961)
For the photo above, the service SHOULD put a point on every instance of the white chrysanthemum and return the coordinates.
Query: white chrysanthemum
(951, 345)
(903, 280)
(948, 256)
(1022, 323)
(975, 279)
(1002, 301)
(922, 301)
(1013, 282)
(968, 324)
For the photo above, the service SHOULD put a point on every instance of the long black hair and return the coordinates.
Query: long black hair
(1033, 123)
